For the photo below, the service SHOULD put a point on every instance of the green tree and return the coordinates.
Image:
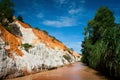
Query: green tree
(20, 18)
(101, 44)
(6, 11)
(71, 49)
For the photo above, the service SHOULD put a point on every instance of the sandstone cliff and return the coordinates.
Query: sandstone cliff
(26, 50)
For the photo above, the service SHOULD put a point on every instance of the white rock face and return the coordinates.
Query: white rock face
(27, 34)
(36, 59)
(38, 56)
(7, 65)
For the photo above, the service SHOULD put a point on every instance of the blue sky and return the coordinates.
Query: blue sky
(64, 19)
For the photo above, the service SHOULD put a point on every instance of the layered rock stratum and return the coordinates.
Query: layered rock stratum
(26, 50)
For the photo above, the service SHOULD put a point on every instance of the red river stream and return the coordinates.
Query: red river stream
(75, 71)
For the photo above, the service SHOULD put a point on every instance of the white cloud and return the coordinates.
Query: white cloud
(62, 22)
(72, 5)
(40, 15)
(61, 1)
(75, 11)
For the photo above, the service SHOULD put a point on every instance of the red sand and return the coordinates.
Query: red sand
(75, 71)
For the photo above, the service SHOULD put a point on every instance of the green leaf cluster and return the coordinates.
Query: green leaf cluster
(101, 45)
(26, 46)
(20, 18)
(6, 11)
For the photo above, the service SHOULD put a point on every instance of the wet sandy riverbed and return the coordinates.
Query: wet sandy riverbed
(75, 71)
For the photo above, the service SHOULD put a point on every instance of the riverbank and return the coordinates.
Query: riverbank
(75, 71)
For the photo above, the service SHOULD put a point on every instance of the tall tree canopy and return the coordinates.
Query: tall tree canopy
(20, 18)
(101, 45)
(6, 10)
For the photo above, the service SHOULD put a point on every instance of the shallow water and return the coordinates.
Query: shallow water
(75, 71)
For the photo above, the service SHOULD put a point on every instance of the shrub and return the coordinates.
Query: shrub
(26, 46)
(20, 18)
(37, 28)
(8, 28)
(67, 57)
(54, 38)
(45, 32)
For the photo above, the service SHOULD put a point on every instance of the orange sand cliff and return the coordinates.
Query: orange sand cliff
(11, 40)
(48, 40)
(15, 41)
(43, 37)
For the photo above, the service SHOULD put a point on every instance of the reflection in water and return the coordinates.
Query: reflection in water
(75, 71)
